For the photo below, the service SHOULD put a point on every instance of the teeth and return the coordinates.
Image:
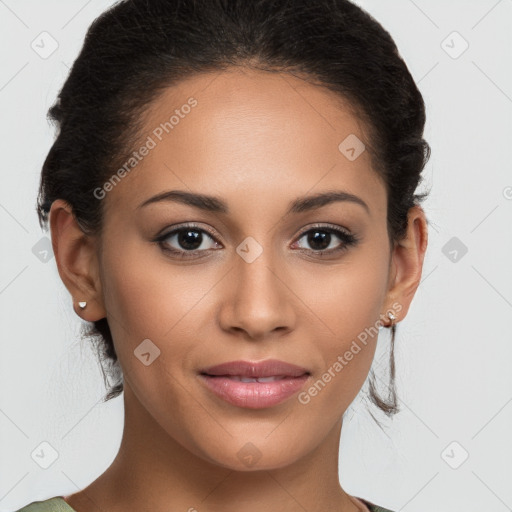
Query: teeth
(258, 379)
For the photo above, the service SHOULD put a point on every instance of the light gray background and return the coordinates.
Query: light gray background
(453, 350)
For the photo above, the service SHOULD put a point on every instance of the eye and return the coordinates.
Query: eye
(191, 240)
(321, 239)
(187, 241)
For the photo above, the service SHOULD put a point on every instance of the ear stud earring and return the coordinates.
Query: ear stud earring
(392, 317)
(82, 304)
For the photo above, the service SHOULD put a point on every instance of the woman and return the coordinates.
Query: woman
(231, 198)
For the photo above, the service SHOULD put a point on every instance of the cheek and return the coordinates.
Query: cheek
(347, 303)
(144, 293)
(347, 299)
(148, 297)
(150, 301)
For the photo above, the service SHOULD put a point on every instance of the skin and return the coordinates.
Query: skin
(258, 141)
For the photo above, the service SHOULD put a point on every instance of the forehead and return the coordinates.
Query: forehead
(248, 135)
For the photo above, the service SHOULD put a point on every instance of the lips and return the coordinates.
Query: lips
(270, 368)
(250, 379)
(254, 385)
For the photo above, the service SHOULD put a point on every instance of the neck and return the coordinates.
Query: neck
(153, 471)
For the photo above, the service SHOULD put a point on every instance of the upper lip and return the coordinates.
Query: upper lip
(267, 368)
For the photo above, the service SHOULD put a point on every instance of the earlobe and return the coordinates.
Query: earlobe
(76, 259)
(407, 260)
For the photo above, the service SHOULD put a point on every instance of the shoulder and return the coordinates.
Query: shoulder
(374, 508)
(55, 504)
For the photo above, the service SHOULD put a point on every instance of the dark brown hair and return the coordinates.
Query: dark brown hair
(138, 48)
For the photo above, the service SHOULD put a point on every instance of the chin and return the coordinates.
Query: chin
(249, 454)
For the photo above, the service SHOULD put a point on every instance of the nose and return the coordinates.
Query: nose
(258, 300)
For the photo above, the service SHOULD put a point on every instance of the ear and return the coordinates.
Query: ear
(76, 256)
(407, 263)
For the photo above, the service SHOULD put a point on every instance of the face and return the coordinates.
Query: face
(250, 280)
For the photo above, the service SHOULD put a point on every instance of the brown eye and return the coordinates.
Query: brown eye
(322, 239)
(187, 239)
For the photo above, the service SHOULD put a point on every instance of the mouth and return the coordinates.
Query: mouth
(254, 385)
(239, 378)
(255, 369)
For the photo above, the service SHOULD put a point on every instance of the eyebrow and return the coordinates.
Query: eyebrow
(217, 205)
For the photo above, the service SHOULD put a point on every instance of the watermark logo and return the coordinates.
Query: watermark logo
(249, 454)
(454, 45)
(146, 352)
(249, 249)
(44, 45)
(455, 455)
(44, 455)
(351, 147)
(43, 250)
(454, 249)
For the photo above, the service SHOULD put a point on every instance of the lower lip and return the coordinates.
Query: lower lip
(254, 395)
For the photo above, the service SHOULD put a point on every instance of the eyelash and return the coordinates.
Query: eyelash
(348, 240)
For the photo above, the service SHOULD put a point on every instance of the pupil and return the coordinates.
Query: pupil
(324, 239)
(190, 239)
(191, 243)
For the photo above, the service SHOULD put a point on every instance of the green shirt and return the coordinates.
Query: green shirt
(57, 504)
